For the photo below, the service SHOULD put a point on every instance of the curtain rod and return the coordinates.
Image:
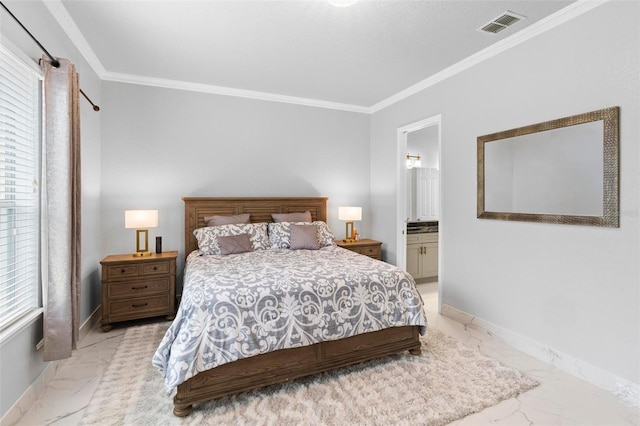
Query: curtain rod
(54, 62)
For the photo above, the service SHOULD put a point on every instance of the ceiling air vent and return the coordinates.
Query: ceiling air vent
(500, 23)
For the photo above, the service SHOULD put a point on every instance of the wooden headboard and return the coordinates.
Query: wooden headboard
(196, 208)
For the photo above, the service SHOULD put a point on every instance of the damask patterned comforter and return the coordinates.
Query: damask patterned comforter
(241, 305)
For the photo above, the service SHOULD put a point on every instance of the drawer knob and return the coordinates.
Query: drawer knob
(139, 305)
(139, 288)
(122, 271)
(155, 268)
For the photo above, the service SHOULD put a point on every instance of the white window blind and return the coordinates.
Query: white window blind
(20, 94)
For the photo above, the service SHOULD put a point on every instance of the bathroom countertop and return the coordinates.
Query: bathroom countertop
(422, 227)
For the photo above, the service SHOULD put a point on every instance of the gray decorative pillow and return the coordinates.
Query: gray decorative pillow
(226, 220)
(292, 217)
(280, 234)
(325, 235)
(208, 237)
(232, 244)
(304, 237)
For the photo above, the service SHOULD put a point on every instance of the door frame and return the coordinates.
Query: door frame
(401, 213)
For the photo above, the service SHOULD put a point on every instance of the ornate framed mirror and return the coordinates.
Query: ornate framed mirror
(560, 171)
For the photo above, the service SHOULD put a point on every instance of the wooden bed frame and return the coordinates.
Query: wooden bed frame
(287, 364)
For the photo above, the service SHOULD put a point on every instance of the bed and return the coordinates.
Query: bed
(254, 358)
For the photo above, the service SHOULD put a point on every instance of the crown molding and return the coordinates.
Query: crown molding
(560, 17)
(66, 22)
(68, 25)
(229, 91)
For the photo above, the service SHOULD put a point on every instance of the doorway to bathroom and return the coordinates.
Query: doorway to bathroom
(419, 206)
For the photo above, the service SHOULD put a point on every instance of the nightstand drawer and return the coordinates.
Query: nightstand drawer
(153, 268)
(149, 268)
(371, 251)
(138, 308)
(113, 272)
(130, 289)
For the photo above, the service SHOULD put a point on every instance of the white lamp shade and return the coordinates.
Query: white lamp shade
(350, 213)
(140, 218)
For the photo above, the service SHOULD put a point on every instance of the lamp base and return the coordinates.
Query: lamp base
(142, 235)
(349, 232)
(142, 253)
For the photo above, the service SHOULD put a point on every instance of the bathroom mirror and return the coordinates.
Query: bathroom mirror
(560, 171)
(421, 182)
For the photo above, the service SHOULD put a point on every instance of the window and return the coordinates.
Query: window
(20, 136)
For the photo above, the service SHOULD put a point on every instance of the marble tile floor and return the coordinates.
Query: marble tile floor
(561, 399)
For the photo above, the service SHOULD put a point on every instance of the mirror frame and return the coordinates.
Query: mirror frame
(611, 158)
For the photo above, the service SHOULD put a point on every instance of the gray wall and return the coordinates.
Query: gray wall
(162, 144)
(20, 363)
(572, 288)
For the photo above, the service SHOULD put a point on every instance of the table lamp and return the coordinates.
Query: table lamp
(350, 214)
(141, 220)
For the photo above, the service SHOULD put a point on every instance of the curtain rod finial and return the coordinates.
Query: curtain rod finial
(95, 107)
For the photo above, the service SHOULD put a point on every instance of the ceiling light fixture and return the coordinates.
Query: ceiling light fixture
(341, 3)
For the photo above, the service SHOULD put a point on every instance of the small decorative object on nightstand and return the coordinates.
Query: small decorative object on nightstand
(138, 287)
(366, 246)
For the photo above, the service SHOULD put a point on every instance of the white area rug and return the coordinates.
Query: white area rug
(447, 382)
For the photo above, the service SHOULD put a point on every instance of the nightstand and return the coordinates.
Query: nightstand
(138, 287)
(366, 246)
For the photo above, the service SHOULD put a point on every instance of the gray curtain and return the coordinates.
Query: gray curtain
(61, 210)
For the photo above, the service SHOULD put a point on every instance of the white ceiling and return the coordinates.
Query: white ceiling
(298, 50)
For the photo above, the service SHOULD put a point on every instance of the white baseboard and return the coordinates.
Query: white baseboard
(626, 390)
(90, 323)
(30, 395)
(38, 386)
